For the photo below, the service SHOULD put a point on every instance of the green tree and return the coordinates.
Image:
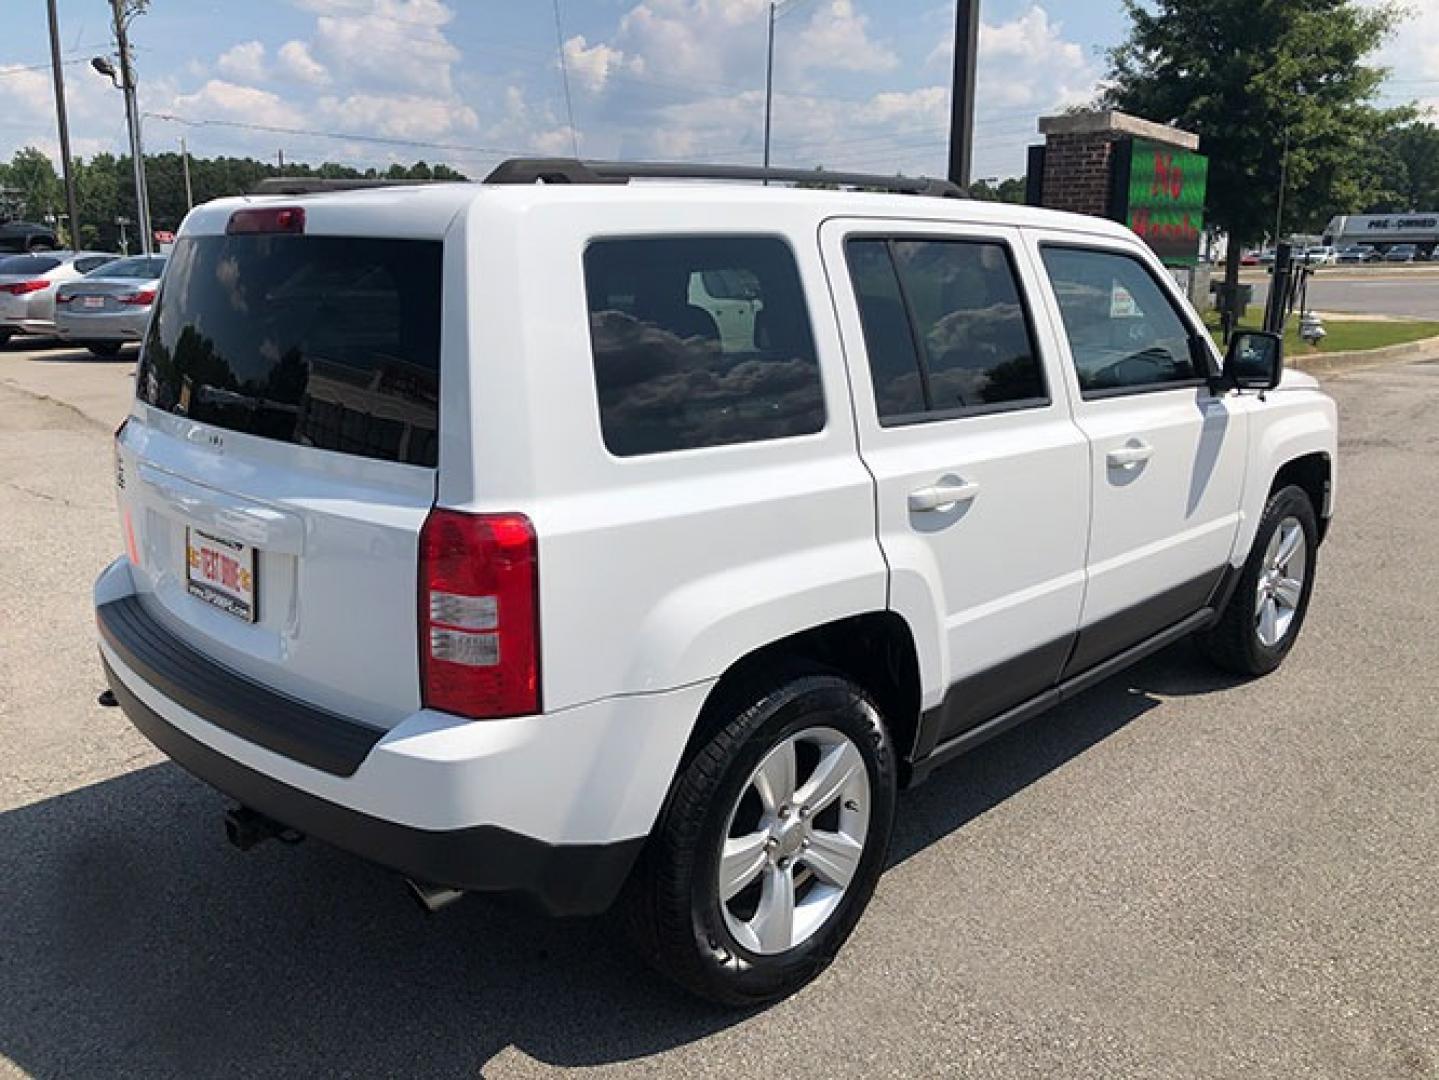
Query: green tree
(33, 176)
(1242, 73)
(1010, 190)
(1406, 170)
(97, 190)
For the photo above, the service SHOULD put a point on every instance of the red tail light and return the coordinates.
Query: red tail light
(267, 219)
(144, 296)
(20, 288)
(479, 614)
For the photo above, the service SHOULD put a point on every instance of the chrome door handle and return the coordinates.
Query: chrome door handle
(942, 496)
(1134, 453)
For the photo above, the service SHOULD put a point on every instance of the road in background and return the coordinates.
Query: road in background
(1175, 874)
(1370, 291)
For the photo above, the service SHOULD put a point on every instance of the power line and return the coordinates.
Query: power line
(4, 71)
(565, 79)
(343, 136)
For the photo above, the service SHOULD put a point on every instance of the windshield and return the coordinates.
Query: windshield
(143, 267)
(323, 341)
(28, 264)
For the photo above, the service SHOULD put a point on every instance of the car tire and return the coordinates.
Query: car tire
(750, 945)
(5, 336)
(106, 350)
(1260, 623)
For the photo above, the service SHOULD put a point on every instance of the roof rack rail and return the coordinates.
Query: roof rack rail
(574, 171)
(312, 185)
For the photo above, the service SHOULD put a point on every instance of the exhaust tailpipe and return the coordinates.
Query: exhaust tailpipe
(432, 897)
(245, 828)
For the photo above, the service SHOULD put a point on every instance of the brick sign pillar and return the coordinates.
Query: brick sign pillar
(1084, 167)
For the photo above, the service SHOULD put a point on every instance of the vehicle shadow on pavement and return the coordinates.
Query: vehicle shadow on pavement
(58, 352)
(982, 779)
(136, 942)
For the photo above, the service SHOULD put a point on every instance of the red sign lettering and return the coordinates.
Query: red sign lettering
(1168, 177)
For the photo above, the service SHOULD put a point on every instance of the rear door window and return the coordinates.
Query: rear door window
(131, 268)
(92, 262)
(700, 341)
(945, 328)
(323, 341)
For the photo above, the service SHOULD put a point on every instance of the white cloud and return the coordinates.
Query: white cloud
(387, 43)
(28, 90)
(714, 40)
(245, 62)
(245, 104)
(1026, 61)
(1413, 55)
(27, 100)
(592, 65)
(399, 116)
(837, 38)
(295, 62)
(530, 129)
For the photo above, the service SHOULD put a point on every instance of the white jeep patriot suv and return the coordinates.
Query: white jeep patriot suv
(599, 537)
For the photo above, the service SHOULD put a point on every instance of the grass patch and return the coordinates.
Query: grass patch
(1343, 335)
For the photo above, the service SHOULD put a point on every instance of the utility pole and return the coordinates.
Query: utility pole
(132, 117)
(961, 98)
(768, 88)
(185, 168)
(280, 154)
(64, 123)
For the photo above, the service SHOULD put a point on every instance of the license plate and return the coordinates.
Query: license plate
(92, 301)
(221, 572)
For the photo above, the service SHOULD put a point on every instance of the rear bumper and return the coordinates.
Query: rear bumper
(566, 879)
(556, 806)
(17, 325)
(104, 326)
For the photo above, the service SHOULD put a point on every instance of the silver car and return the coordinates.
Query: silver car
(111, 305)
(28, 284)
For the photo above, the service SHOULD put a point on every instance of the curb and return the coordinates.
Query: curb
(1337, 363)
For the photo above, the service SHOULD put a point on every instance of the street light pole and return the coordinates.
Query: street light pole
(65, 164)
(1283, 183)
(132, 119)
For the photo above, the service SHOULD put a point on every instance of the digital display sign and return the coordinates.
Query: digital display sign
(1159, 193)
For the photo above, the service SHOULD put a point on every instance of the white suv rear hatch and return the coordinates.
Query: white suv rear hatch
(281, 456)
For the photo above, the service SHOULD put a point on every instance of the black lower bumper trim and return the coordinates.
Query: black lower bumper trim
(312, 736)
(565, 879)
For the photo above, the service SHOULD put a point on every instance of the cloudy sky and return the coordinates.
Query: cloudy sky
(860, 84)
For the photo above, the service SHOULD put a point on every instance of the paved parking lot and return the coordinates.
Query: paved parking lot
(1173, 875)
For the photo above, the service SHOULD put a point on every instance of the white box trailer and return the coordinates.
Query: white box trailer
(1385, 230)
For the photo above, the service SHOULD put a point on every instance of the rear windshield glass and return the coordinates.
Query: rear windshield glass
(130, 268)
(323, 341)
(28, 264)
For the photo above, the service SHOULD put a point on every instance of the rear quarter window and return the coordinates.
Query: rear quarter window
(28, 264)
(700, 341)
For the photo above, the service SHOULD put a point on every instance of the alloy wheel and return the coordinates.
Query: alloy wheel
(794, 840)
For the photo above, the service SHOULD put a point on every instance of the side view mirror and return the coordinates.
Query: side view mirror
(1255, 360)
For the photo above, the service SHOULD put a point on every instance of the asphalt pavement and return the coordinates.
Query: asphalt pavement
(1410, 292)
(1176, 874)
